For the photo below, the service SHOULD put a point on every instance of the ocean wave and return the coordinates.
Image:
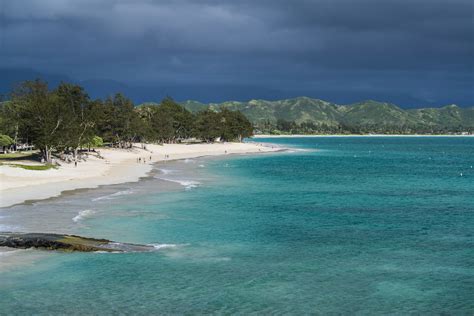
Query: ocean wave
(187, 184)
(11, 252)
(113, 195)
(117, 247)
(163, 246)
(82, 215)
(295, 150)
(187, 160)
(167, 171)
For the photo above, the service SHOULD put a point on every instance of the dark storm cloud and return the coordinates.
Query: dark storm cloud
(421, 49)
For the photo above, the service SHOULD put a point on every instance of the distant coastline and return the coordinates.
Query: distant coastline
(360, 135)
(304, 115)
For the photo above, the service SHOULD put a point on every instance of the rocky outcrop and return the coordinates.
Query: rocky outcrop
(66, 243)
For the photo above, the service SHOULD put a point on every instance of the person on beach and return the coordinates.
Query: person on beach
(75, 163)
(140, 159)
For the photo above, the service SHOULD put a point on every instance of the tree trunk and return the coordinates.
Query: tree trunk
(47, 154)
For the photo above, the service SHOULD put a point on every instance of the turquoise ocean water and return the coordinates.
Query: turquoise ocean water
(359, 225)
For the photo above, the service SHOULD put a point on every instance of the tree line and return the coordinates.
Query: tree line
(311, 128)
(66, 119)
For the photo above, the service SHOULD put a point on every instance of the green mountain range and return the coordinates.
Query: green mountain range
(311, 116)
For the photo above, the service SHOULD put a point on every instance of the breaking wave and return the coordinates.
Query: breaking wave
(163, 246)
(167, 171)
(82, 215)
(187, 184)
(113, 195)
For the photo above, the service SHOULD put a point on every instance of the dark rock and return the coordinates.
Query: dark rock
(66, 243)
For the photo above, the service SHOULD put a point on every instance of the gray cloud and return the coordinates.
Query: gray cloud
(421, 48)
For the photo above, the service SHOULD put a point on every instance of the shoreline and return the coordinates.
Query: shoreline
(118, 166)
(356, 135)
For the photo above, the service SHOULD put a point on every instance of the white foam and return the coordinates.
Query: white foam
(293, 150)
(163, 246)
(113, 195)
(187, 184)
(187, 160)
(201, 166)
(167, 171)
(82, 215)
(6, 252)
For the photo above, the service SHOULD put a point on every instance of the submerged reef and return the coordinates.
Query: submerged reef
(66, 243)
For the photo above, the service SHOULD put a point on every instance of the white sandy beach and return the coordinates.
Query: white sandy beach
(117, 166)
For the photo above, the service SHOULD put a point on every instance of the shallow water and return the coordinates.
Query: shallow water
(349, 226)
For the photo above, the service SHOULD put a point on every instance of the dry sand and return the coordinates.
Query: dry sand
(117, 166)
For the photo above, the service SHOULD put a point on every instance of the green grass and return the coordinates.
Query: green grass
(41, 167)
(29, 167)
(29, 155)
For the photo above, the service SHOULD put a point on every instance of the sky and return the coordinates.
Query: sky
(410, 52)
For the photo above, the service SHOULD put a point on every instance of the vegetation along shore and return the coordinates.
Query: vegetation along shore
(57, 140)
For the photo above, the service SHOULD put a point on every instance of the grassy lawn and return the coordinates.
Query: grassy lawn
(27, 155)
(29, 167)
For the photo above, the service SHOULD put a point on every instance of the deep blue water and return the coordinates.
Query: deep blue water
(369, 225)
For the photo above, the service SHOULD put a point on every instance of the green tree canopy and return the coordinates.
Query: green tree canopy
(207, 125)
(96, 141)
(6, 140)
(65, 119)
(43, 118)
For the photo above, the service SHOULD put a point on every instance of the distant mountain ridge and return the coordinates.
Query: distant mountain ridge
(309, 115)
(295, 115)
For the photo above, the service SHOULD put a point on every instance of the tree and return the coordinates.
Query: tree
(79, 130)
(207, 125)
(146, 114)
(96, 141)
(172, 121)
(120, 122)
(43, 118)
(9, 120)
(5, 141)
(234, 126)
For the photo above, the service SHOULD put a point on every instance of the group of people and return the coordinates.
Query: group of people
(139, 159)
(143, 159)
